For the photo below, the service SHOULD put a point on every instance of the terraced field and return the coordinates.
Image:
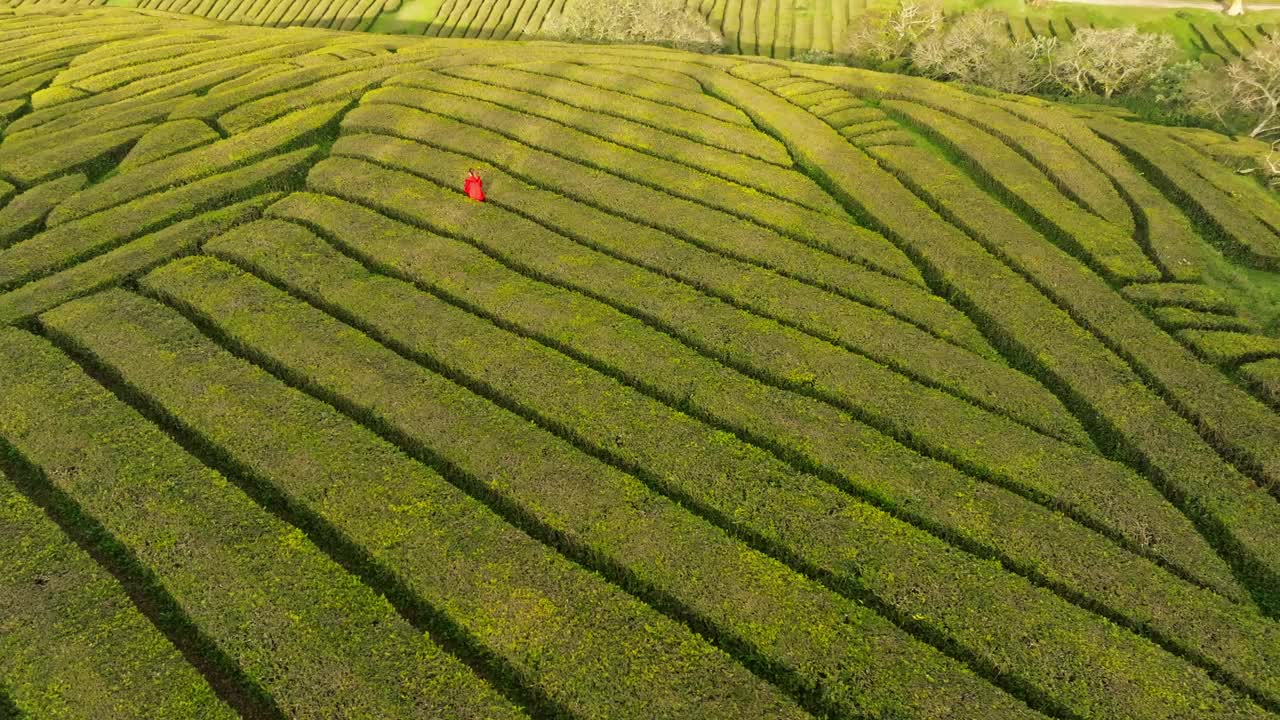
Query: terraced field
(755, 390)
(770, 28)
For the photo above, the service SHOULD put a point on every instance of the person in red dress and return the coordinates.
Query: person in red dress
(474, 186)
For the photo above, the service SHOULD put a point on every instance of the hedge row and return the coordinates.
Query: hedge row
(39, 60)
(258, 599)
(157, 95)
(327, 365)
(1227, 416)
(445, 18)
(140, 51)
(918, 579)
(1052, 471)
(22, 216)
(460, 17)
(220, 102)
(1264, 377)
(668, 117)
(1169, 165)
(1178, 318)
(72, 242)
(1163, 227)
(32, 32)
(818, 229)
(810, 433)
(703, 226)
(1226, 506)
(677, 80)
(801, 86)
(670, 217)
(777, 350)
(687, 99)
(44, 62)
(1188, 295)
(340, 91)
(1067, 168)
(1245, 193)
(1229, 347)
(854, 129)
(735, 167)
(883, 137)
(229, 49)
(503, 18)
(273, 138)
(766, 74)
(476, 15)
(845, 102)
(9, 109)
(775, 79)
(756, 606)
(51, 96)
(127, 261)
(74, 645)
(540, 14)
(710, 470)
(168, 139)
(77, 39)
(1107, 247)
(124, 114)
(515, 602)
(32, 163)
(853, 326)
(766, 18)
(745, 35)
(818, 97)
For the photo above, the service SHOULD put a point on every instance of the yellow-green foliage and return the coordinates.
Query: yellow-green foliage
(755, 389)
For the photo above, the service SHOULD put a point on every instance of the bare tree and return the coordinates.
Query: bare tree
(1113, 60)
(882, 36)
(1255, 88)
(659, 22)
(976, 49)
(1209, 95)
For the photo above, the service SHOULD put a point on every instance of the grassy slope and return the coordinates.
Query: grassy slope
(816, 393)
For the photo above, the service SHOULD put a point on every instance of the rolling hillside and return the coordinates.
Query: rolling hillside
(754, 390)
(771, 28)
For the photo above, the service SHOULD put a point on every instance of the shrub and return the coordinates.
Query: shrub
(656, 22)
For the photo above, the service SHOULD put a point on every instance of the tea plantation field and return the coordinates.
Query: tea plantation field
(771, 28)
(754, 390)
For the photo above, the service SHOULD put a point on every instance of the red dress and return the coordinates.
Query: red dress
(474, 188)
